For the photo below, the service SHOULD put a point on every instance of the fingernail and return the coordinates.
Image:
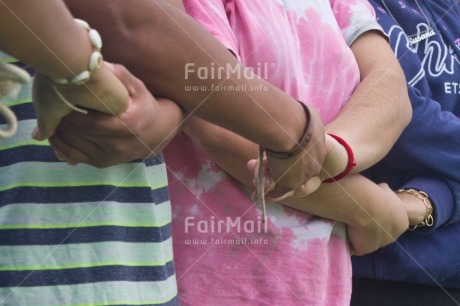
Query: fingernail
(268, 181)
(110, 66)
(60, 156)
(35, 134)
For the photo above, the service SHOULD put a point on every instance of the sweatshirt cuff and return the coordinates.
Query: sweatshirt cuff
(364, 266)
(440, 196)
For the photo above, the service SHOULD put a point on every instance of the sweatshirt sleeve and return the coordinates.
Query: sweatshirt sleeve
(428, 145)
(424, 262)
(430, 142)
(441, 197)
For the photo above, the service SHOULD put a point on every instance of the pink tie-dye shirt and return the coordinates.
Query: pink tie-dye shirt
(224, 254)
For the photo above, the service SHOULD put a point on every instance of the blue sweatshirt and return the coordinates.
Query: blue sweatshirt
(427, 155)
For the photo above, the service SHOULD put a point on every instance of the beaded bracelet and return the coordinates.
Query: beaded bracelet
(351, 160)
(94, 63)
(428, 220)
(298, 148)
(95, 59)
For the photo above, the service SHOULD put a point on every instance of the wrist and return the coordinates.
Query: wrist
(82, 64)
(299, 146)
(418, 207)
(350, 160)
(336, 158)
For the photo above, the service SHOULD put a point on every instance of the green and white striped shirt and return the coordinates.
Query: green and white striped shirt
(80, 235)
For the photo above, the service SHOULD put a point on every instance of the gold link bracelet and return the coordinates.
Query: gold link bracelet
(428, 220)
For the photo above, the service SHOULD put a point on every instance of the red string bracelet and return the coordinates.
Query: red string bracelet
(350, 164)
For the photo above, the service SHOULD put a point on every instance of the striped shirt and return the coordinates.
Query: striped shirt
(80, 235)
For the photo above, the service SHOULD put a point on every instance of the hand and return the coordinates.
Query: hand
(102, 140)
(370, 235)
(298, 176)
(334, 163)
(103, 92)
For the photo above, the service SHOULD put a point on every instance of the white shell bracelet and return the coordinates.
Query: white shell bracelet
(95, 59)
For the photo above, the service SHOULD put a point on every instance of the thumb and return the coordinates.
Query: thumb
(308, 188)
(252, 166)
(126, 78)
(45, 130)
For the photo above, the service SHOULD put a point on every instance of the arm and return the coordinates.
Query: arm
(166, 39)
(231, 153)
(153, 29)
(423, 160)
(140, 132)
(57, 47)
(379, 106)
(384, 208)
(374, 215)
(429, 144)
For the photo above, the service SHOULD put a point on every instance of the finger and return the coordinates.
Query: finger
(352, 251)
(65, 152)
(279, 193)
(269, 183)
(75, 146)
(252, 166)
(97, 123)
(308, 188)
(45, 128)
(132, 84)
(78, 138)
(48, 114)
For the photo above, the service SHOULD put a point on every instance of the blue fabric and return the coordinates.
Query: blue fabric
(81, 235)
(426, 156)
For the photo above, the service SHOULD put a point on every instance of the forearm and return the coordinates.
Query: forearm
(355, 200)
(379, 109)
(166, 40)
(228, 150)
(42, 34)
(165, 127)
(374, 215)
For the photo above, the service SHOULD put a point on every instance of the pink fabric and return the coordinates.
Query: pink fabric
(223, 253)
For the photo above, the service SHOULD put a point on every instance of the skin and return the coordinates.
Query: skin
(379, 101)
(374, 214)
(259, 117)
(110, 140)
(56, 47)
(57, 51)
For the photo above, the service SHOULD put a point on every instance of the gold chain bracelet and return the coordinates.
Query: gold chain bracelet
(428, 220)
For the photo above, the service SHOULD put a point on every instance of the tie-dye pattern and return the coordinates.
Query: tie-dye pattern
(224, 255)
